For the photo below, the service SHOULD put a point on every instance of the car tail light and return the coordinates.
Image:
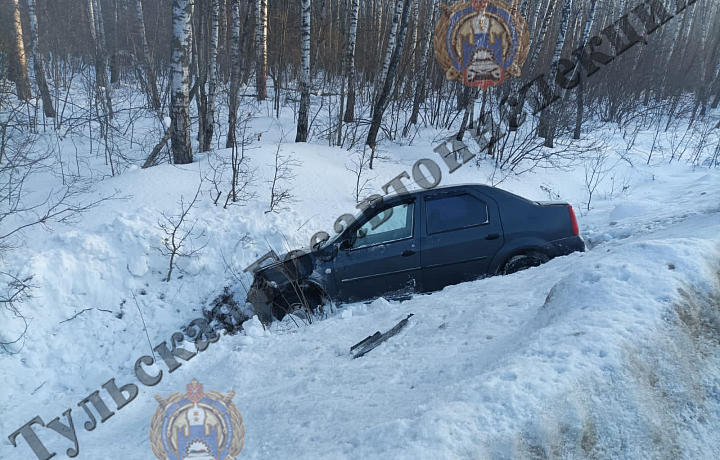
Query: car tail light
(573, 221)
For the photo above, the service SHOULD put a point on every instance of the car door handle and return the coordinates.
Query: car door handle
(407, 253)
(492, 236)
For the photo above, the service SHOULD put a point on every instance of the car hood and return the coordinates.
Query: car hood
(292, 265)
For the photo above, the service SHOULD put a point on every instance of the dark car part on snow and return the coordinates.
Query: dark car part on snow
(371, 342)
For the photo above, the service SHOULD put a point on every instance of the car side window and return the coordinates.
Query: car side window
(448, 213)
(392, 224)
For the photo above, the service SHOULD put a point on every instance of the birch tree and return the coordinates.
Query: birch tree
(577, 72)
(693, 13)
(536, 46)
(382, 101)
(100, 54)
(542, 33)
(379, 23)
(97, 28)
(198, 67)
(180, 86)
(389, 52)
(261, 47)
(246, 43)
(150, 81)
(546, 128)
(234, 75)
(704, 52)
(422, 69)
(38, 66)
(303, 115)
(350, 62)
(22, 81)
(320, 35)
(212, 77)
(115, 61)
(680, 21)
(715, 83)
(416, 34)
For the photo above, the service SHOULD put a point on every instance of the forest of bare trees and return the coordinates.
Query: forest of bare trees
(367, 66)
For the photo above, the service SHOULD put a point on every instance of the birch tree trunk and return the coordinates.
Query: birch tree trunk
(222, 34)
(198, 67)
(234, 75)
(115, 61)
(701, 96)
(678, 27)
(469, 104)
(350, 62)
(246, 44)
(22, 81)
(547, 120)
(212, 78)
(100, 53)
(101, 57)
(580, 106)
(150, 80)
(687, 32)
(416, 34)
(320, 36)
(303, 113)
(422, 69)
(715, 83)
(392, 39)
(379, 23)
(180, 89)
(38, 66)
(382, 101)
(524, 8)
(576, 71)
(536, 47)
(93, 30)
(261, 47)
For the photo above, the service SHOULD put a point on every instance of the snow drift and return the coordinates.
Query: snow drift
(613, 353)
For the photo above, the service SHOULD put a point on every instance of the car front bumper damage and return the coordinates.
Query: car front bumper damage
(261, 296)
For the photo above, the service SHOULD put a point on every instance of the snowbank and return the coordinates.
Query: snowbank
(608, 354)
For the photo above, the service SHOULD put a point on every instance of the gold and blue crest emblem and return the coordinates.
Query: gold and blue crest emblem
(197, 425)
(481, 42)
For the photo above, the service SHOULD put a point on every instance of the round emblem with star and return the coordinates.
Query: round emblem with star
(481, 42)
(197, 425)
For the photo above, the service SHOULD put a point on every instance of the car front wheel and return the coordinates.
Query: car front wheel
(300, 303)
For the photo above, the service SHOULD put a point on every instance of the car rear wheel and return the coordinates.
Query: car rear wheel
(300, 303)
(523, 262)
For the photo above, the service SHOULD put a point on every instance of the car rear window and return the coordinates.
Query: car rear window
(448, 213)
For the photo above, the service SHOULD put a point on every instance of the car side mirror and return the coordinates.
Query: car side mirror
(327, 253)
(348, 240)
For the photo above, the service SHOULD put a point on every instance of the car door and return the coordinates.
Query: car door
(384, 259)
(461, 232)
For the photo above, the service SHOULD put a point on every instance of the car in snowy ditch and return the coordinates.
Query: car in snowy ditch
(418, 242)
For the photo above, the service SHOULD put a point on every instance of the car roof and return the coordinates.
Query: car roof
(493, 192)
(417, 192)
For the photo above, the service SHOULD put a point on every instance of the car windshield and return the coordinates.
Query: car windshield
(334, 238)
(357, 217)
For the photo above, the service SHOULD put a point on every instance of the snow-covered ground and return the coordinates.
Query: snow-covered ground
(612, 353)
